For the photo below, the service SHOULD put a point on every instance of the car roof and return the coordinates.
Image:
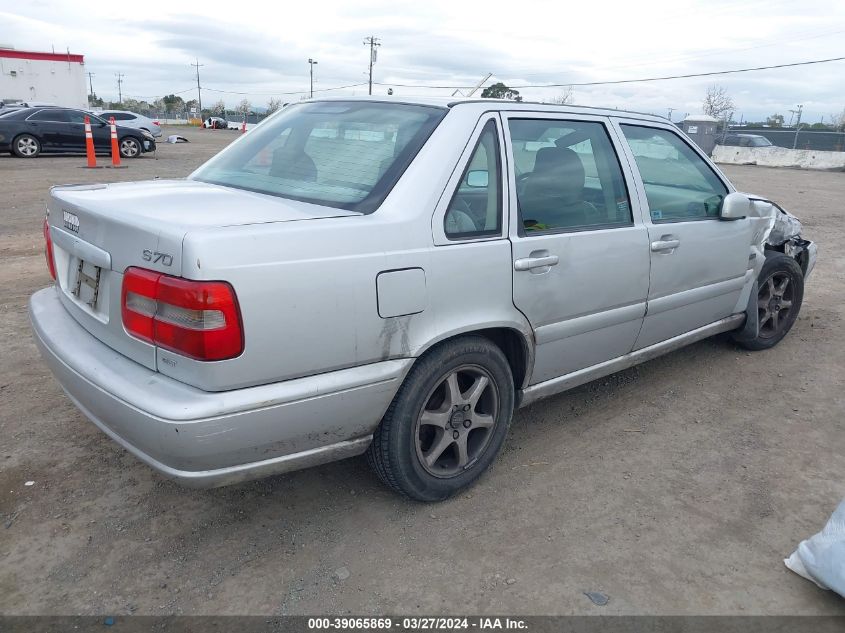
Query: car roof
(500, 104)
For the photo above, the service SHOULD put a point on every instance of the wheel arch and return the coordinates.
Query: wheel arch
(515, 340)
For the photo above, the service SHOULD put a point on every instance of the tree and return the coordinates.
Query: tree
(94, 101)
(717, 103)
(838, 121)
(776, 120)
(274, 105)
(244, 107)
(500, 91)
(173, 103)
(219, 108)
(564, 98)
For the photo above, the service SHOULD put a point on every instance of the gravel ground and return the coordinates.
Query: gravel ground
(676, 487)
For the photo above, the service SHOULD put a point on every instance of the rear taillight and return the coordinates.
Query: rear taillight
(48, 249)
(155, 122)
(198, 319)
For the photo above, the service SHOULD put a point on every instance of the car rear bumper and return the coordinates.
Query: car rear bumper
(206, 439)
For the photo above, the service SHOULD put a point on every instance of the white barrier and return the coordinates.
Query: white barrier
(780, 157)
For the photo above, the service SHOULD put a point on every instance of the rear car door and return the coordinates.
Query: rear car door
(580, 250)
(699, 263)
(49, 127)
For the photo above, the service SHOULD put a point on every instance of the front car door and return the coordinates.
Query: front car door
(699, 263)
(580, 249)
(100, 131)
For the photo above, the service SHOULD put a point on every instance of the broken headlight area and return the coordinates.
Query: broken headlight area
(785, 237)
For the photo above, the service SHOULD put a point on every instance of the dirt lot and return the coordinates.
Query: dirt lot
(675, 487)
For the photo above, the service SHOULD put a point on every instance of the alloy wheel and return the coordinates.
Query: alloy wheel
(457, 421)
(129, 148)
(27, 146)
(774, 303)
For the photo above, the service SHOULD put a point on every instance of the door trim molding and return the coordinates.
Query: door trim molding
(531, 394)
(684, 298)
(589, 322)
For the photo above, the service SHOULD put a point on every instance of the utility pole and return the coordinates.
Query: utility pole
(373, 43)
(199, 88)
(797, 126)
(311, 63)
(120, 77)
(91, 83)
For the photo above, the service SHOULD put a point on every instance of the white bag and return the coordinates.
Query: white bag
(821, 558)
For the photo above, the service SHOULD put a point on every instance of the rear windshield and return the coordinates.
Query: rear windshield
(339, 154)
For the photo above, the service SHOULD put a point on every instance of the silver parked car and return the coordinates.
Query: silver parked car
(395, 278)
(132, 119)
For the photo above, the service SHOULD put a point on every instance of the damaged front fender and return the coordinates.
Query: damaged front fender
(783, 234)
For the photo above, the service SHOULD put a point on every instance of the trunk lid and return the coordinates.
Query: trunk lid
(99, 231)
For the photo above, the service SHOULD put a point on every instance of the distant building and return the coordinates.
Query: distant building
(701, 128)
(55, 78)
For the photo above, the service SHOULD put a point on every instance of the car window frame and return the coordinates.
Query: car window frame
(29, 118)
(438, 219)
(516, 225)
(618, 122)
(472, 235)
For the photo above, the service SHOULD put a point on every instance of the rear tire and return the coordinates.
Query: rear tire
(781, 293)
(26, 146)
(447, 422)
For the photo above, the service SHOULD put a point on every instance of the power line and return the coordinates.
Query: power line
(279, 94)
(633, 81)
(712, 52)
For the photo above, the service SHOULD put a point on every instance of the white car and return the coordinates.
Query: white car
(132, 119)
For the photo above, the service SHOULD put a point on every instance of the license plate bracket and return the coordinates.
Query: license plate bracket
(87, 286)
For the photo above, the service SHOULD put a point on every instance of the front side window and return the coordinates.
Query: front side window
(476, 207)
(567, 176)
(340, 154)
(679, 184)
(75, 116)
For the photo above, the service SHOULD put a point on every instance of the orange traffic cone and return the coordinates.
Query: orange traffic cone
(115, 151)
(89, 144)
(243, 127)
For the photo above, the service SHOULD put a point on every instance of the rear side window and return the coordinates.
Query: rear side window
(567, 176)
(340, 154)
(476, 207)
(59, 116)
(678, 183)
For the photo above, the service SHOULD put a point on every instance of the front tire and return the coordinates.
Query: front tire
(781, 292)
(26, 146)
(129, 148)
(447, 422)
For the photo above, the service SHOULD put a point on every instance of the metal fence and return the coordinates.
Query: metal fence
(820, 140)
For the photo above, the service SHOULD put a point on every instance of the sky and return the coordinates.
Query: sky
(259, 49)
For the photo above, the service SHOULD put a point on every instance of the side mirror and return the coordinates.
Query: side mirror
(735, 206)
(477, 178)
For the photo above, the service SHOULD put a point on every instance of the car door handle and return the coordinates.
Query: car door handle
(665, 243)
(530, 263)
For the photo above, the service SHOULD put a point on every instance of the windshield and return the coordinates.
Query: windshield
(335, 153)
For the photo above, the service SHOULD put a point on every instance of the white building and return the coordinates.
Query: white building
(55, 78)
